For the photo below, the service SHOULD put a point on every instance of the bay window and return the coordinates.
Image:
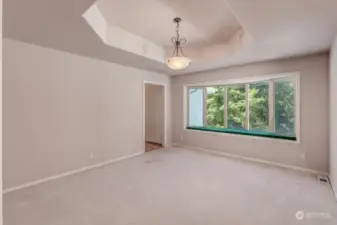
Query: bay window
(264, 107)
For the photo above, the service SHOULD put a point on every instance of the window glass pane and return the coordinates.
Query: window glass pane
(284, 107)
(195, 107)
(236, 107)
(215, 106)
(258, 107)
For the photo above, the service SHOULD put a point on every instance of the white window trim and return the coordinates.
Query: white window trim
(249, 80)
(245, 80)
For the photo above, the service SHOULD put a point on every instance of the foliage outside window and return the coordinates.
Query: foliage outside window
(266, 106)
(258, 107)
(236, 107)
(215, 106)
(284, 107)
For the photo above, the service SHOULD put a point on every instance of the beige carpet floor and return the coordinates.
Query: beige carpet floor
(175, 187)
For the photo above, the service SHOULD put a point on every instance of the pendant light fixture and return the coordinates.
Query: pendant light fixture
(178, 61)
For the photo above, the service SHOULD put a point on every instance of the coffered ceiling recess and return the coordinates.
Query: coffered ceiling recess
(145, 28)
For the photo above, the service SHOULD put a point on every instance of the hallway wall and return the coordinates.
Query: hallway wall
(154, 113)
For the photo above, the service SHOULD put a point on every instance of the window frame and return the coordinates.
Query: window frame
(294, 76)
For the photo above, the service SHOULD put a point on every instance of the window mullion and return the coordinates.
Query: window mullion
(225, 112)
(247, 106)
(187, 107)
(204, 113)
(271, 106)
(296, 94)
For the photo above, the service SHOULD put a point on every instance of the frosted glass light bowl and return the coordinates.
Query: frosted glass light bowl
(178, 63)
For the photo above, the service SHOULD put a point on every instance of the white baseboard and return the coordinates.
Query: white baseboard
(169, 145)
(69, 173)
(334, 189)
(298, 168)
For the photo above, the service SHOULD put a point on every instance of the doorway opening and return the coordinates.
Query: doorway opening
(154, 128)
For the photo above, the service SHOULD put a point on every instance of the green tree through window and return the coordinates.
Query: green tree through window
(236, 107)
(258, 107)
(215, 106)
(284, 108)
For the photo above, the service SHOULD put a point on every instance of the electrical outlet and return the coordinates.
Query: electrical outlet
(181, 137)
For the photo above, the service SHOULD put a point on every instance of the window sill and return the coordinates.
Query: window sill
(243, 132)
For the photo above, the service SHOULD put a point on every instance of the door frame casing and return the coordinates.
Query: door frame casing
(145, 82)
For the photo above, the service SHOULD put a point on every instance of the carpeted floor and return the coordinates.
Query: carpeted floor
(176, 187)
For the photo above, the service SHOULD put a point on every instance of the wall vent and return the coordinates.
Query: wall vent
(323, 179)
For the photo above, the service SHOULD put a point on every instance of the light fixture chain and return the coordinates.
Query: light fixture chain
(177, 31)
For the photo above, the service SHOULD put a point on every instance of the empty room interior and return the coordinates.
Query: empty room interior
(161, 112)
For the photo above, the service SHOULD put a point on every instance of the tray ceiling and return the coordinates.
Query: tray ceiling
(134, 33)
(152, 19)
(145, 27)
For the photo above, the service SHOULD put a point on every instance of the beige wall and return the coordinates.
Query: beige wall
(311, 152)
(154, 113)
(1, 114)
(64, 111)
(333, 113)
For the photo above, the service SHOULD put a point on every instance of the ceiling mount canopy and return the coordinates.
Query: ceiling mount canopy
(178, 61)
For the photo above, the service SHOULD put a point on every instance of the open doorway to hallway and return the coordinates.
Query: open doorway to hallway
(154, 116)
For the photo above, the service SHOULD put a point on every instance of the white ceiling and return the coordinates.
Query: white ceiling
(147, 19)
(220, 33)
